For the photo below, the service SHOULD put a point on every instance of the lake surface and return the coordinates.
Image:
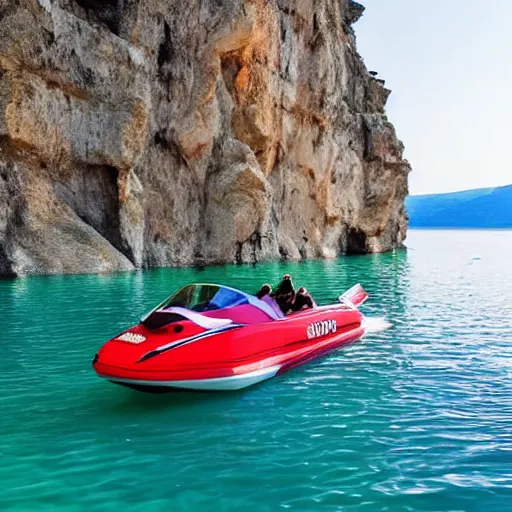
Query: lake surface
(417, 418)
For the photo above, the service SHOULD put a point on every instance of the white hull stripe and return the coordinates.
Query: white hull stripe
(219, 384)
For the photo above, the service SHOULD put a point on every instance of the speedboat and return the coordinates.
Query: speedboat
(209, 337)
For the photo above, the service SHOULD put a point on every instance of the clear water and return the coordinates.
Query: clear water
(415, 418)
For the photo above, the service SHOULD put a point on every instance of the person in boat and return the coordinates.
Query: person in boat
(264, 294)
(264, 291)
(302, 300)
(285, 294)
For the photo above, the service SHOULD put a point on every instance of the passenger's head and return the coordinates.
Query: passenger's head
(286, 285)
(264, 290)
(302, 300)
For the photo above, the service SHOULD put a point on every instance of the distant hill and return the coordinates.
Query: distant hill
(482, 208)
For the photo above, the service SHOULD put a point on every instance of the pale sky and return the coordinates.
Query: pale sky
(449, 65)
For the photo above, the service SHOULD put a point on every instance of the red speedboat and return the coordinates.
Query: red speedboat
(211, 337)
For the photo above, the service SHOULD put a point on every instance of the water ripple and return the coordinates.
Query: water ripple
(417, 418)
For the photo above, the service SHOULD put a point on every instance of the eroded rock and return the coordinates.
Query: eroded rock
(138, 133)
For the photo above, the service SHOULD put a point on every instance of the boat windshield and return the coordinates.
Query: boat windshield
(205, 297)
(202, 298)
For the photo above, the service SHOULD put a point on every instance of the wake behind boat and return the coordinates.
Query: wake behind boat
(211, 337)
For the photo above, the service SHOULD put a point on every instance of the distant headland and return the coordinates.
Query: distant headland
(486, 208)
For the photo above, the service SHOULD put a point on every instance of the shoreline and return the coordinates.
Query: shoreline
(447, 228)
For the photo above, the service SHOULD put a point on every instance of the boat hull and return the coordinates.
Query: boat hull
(231, 383)
(228, 378)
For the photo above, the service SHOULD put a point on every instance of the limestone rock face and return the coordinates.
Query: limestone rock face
(139, 133)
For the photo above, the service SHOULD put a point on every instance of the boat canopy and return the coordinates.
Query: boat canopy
(203, 298)
(206, 297)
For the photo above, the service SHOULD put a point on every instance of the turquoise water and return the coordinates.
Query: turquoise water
(417, 418)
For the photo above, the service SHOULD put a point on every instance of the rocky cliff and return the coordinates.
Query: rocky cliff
(140, 133)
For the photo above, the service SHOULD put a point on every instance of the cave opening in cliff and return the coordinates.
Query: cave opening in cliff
(6, 269)
(166, 53)
(356, 242)
(92, 192)
(106, 11)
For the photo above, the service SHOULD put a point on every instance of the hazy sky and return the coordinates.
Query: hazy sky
(449, 64)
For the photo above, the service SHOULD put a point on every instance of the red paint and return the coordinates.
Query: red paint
(261, 343)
